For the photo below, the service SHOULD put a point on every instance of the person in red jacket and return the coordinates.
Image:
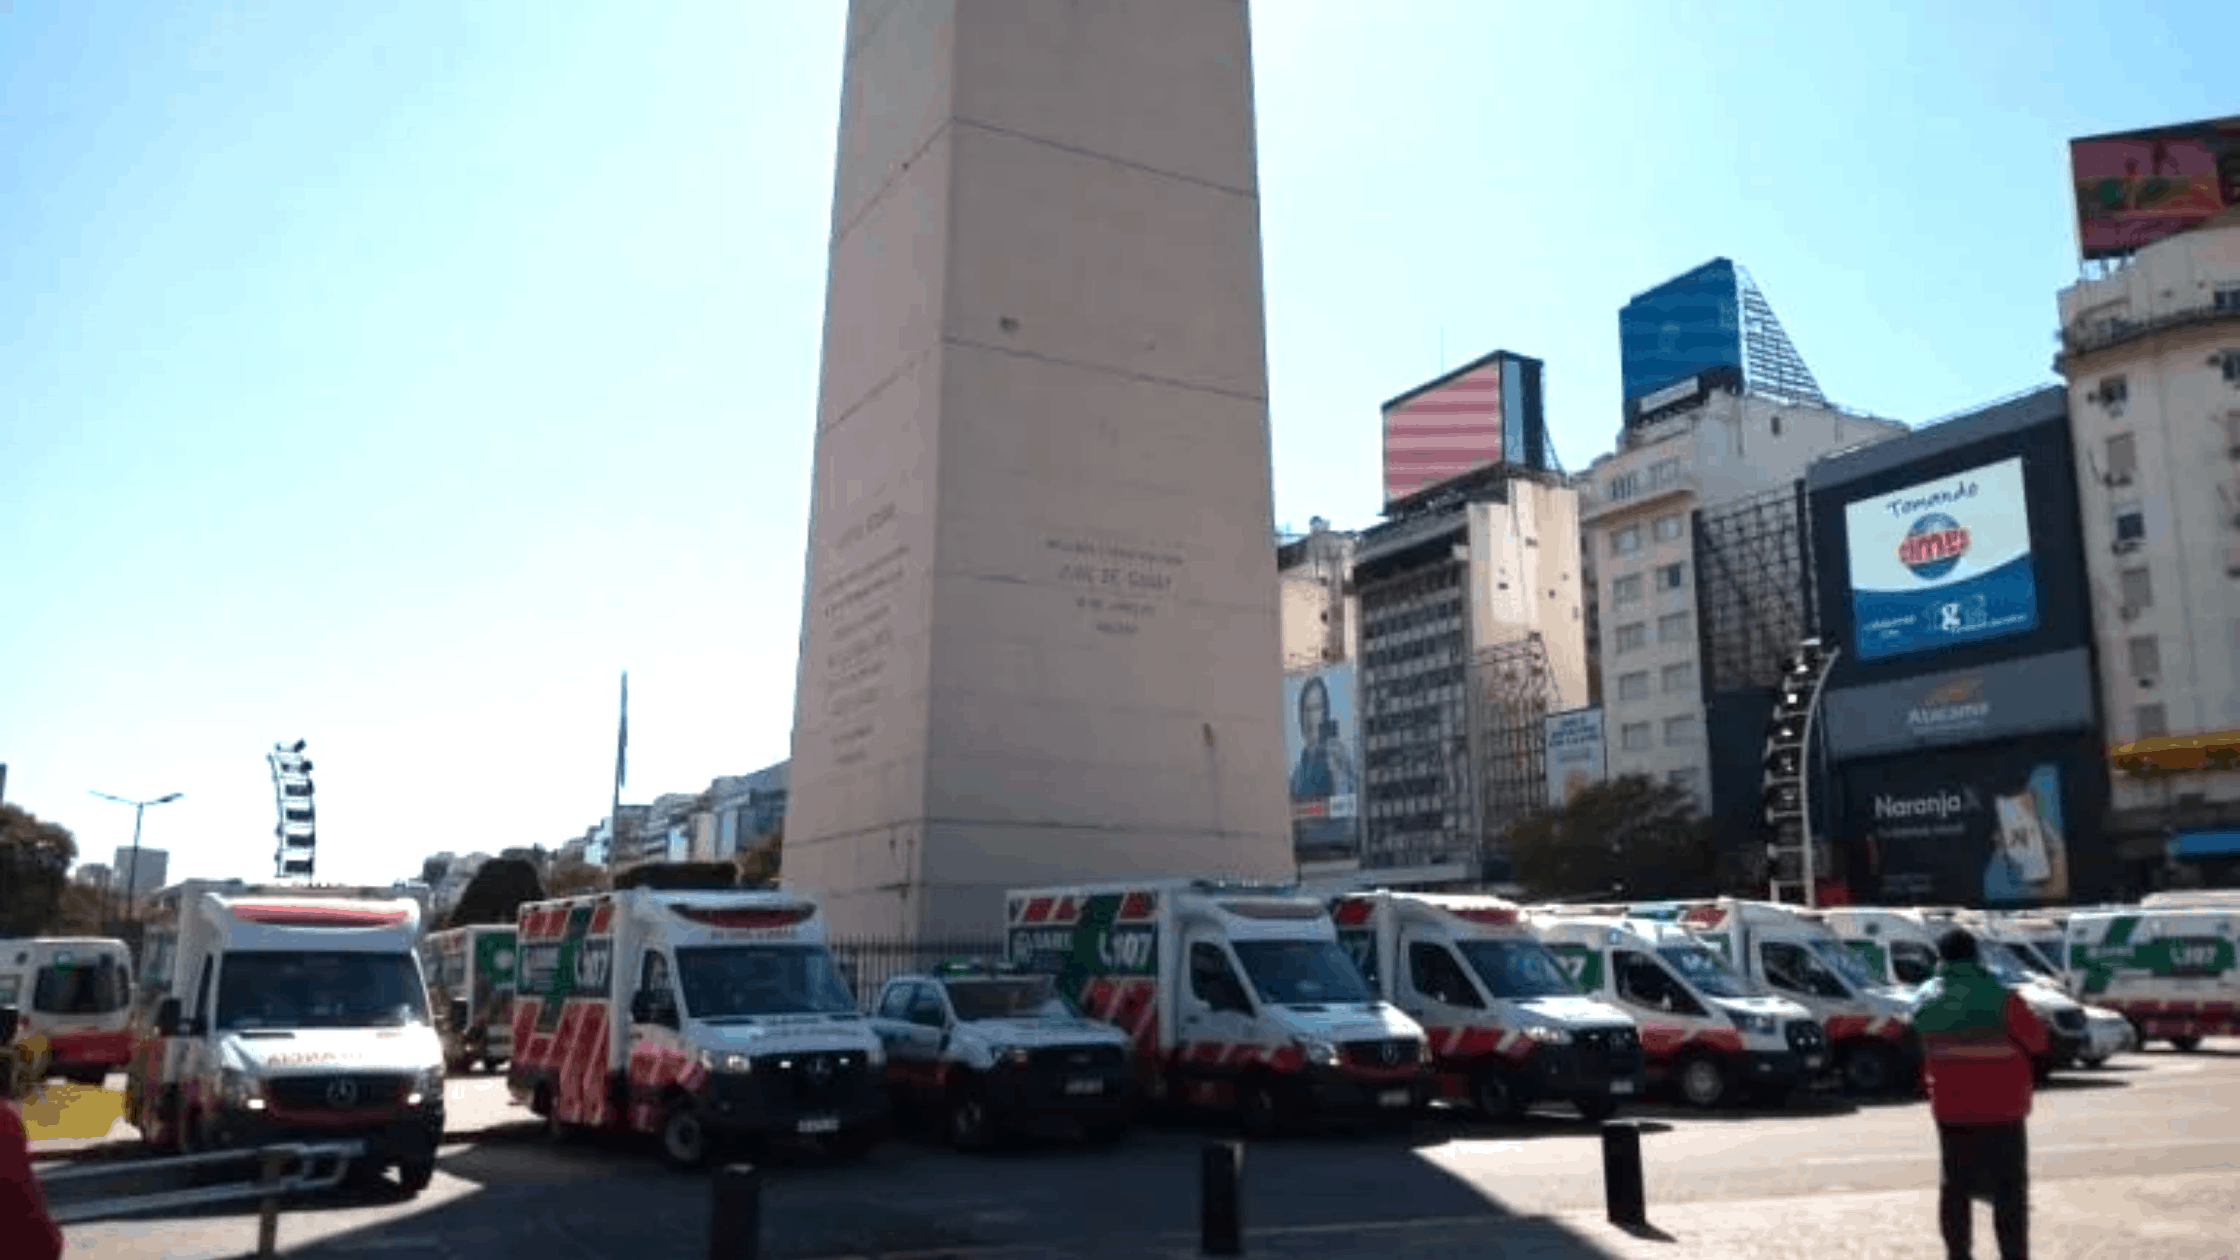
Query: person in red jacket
(26, 1230)
(1979, 1038)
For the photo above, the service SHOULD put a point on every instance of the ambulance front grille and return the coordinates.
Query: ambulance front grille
(813, 1081)
(338, 1091)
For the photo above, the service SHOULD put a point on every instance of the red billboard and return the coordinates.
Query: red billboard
(1443, 430)
(2134, 188)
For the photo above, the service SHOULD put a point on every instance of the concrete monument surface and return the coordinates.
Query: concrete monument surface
(1040, 639)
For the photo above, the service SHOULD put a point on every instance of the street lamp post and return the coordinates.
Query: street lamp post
(132, 866)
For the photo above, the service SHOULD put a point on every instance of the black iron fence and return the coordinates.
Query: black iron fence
(869, 963)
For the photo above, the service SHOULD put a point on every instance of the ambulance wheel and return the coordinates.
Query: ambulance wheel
(1258, 1112)
(414, 1175)
(1869, 1069)
(684, 1137)
(2096, 1062)
(856, 1143)
(1496, 1097)
(556, 1131)
(971, 1126)
(2185, 1045)
(1703, 1081)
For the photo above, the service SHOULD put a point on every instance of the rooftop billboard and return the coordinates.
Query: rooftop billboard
(2134, 188)
(1485, 413)
(1688, 325)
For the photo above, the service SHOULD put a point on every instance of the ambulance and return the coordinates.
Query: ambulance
(74, 998)
(1237, 997)
(1506, 1025)
(2106, 1032)
(1899, 947)
(1710, 1033)
(470, 977)
(2172, 969)
(705, 1015)
(287, 1012)
(1793, 952)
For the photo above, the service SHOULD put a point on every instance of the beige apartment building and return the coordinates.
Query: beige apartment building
(2151, 353)
(1698, 445)
(1320, 624)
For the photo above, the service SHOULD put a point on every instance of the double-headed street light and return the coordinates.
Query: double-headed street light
(132, 876)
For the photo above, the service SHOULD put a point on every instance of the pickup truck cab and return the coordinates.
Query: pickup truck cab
(989, 1048)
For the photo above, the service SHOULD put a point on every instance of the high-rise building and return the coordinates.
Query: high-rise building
(145, 872)
(2151, 353)
(1319, 623)
(1707, 320)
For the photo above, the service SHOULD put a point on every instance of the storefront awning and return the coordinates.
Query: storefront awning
(2206, 844)
(2219, 750)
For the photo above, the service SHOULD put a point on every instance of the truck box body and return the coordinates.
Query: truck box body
(1793, 952)
(289, 1011)
(2172, 970)
(74, 998)
(696, 1015)
(1507, 1027)
(470, 978)
(1235, 996)
(1704, 1029)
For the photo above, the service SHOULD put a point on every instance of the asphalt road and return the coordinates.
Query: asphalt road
(502, 1192)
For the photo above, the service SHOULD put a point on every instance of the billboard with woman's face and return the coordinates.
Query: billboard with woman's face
(1320, 733)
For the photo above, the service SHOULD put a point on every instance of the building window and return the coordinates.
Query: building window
(1679, 678)
(2232, 433)
(1625, 590)
(2123, 456)
(1665, 472)
(2146, 657)
(1676, 627)
(1634, 686)
(1679, 730)
(1777, 426)
(1673, 576)
(1685, 780)
(2150, 721)
(2131, 522)
(2226, 298)
(1670, 526)
(1632, 637)
(1624, 542)
(1634, 736)
(1622, 487)
(2138, 589)
(2114, 389)
(2232, 366)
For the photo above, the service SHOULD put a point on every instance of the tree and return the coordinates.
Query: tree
(496, 892)
(1629, 837)
(35, 857)
(760, 863)
(570, 879)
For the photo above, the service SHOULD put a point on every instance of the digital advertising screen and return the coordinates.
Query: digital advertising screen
(1942, 563)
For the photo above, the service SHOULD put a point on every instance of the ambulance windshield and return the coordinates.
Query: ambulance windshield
(1301, 973)
(1517, 969)
(1028, 997)
(80, 988)
(743, 981)
(1703, 969)
(1839, 959)
(330, 989)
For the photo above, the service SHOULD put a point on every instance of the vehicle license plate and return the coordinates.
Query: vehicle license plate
(1814, 1060)
(822, 1124)
(1084, 1085)
(1621, 1087)
(1393, 1098)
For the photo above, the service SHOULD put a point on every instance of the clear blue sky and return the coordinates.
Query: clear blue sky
(391, 376)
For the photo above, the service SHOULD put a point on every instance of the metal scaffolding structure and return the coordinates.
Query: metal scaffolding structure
(1512, 691)
(1753, 587)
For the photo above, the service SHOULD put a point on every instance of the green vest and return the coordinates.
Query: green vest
(1963, 1003)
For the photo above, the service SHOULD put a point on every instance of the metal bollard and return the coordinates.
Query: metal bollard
(1622, 1186)
(735, 1222)
(268, 1210)
(1220, 1231)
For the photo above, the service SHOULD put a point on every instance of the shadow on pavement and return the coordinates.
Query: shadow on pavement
(2060, 1084)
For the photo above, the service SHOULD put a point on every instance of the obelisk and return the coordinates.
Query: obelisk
(1040, 641)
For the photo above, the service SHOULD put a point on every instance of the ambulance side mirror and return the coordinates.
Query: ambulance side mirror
(167, 1018)
(8, 1021)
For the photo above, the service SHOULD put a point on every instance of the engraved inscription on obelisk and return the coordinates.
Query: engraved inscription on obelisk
(1039, 638)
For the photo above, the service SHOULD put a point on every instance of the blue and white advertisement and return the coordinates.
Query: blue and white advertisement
(1942, 563)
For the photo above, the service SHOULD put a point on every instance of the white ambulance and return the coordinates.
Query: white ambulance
(1506, 1025)
(1237, 995)
(470, 979)
(706, 1015)
(1793, 952)
(289, 1011)
(74, 998)
(1704, 1029)
(1899, 946)
(2172, 969)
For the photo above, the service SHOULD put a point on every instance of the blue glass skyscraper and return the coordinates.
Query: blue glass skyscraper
(1714, 316)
